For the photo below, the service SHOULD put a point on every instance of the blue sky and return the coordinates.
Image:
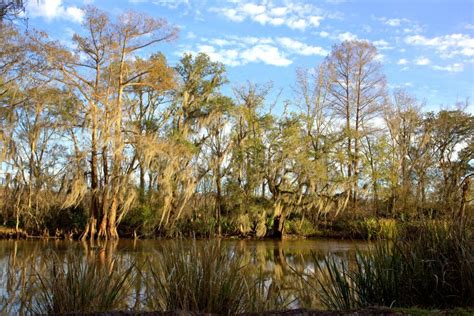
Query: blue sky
(426, 46)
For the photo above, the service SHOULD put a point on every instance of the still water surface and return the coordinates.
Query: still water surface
(277, 261)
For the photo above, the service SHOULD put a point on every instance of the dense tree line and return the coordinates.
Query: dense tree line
(97, 138)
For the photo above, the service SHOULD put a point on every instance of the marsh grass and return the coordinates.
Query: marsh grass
(206, 278)
(434, 269)
(430, 269)
(200, 279)
(74, 284)
(183, 275)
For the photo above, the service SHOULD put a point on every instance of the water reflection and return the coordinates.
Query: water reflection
(277, 265)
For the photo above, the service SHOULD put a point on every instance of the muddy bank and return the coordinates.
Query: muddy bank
(11, 233)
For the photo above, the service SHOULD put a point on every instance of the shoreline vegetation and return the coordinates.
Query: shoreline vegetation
(345, 229)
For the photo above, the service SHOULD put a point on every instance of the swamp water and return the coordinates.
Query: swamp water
(275, 269)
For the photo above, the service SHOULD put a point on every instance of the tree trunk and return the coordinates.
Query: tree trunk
(105, 196)
(142, 181)
(355, 158)
(349, 152)
(462, 208)
(111, 223)
(278, 221)
(218, 202)
(376, 198)
(90, 228)
(116, 170)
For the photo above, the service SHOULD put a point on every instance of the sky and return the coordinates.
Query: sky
(426, 46)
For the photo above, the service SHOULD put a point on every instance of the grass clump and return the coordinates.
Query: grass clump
(77, 285)
(376, 228)
(434, 269)
(206, 278)
(300, 227)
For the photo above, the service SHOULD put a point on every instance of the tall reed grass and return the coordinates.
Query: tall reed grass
(73, 284)
(206, 278)
(434, 269)
(183, 275)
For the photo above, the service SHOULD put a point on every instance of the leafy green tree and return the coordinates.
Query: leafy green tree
(451, 136)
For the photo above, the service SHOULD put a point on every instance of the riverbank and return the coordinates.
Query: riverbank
(352, 229)
(11, 233)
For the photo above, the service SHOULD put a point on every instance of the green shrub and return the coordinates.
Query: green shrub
(201, 227)
(229, 226)
(373, 228)
(140, 219)
(68, 219)
(300, 227)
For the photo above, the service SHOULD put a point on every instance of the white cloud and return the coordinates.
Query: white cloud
(54, 9)
(171, 4)
(75, 14)
(221, 42)
(277, 21)
(190, 35)
(233, 15)
(447, 46)
(469, 26)
(402, 24)
(236, 51)
(264, 19)
(456, 67)
(414, 29)
(301, 48)
(253, 9)
(315, 20)
(297, 24)
(266, 53)
(347, 36)
(402, 61)
(323, 34)
(251, 40)
(279, 11)
(400, 85)
(297, 16)
(422, 61)
(393, 22)
(380, 57)
(382, 44)
(228, 57)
